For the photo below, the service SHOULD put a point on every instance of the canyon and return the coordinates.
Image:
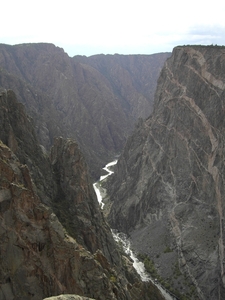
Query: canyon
(62, 119)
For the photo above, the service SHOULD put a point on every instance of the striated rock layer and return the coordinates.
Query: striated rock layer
(53, 237)
(168, 187)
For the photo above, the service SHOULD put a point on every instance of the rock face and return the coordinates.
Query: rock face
(94, 100)
(132, 79)
(53, 237)
(75, 202)
(17, 132)
(38, 257)
(169, 182)
(68, 297)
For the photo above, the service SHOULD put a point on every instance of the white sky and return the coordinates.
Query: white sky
(88, 27)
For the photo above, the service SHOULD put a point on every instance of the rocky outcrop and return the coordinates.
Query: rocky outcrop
(95, 100)
(169, 182)
(17, 132)
(68, 297)
(76, 204)
(62, 181)
(53, 237)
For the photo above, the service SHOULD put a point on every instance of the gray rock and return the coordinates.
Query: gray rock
(68, 297)
(168, 186)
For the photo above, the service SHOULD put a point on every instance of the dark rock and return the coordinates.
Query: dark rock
(17, 132)
(39, 255)
(76, 204)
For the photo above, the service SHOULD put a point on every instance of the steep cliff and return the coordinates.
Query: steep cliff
(53, 237)
(132, 78)
(168, 187)
(95, 101)
(38, 257)
(75, 202)
(17, 132)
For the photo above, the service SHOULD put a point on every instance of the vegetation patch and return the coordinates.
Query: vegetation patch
(168, 284)
(167, 250)
(113, 279)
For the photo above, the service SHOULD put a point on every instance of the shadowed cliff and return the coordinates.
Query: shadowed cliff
(95, 100)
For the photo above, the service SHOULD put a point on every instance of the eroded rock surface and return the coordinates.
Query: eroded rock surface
(53, 237)
(168, 186)
(76, 203)
(38, 257)
(68, 297)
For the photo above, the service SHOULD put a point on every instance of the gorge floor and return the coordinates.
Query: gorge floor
(123, 240)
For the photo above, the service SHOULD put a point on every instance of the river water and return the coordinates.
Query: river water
(96, 185)
(138, 265)
(123, 239)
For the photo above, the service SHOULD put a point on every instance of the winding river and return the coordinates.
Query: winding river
(122, 238)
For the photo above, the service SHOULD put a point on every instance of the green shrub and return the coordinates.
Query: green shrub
(167, 250)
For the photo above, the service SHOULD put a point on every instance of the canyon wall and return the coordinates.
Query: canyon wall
(53, 236)
(94, 100)
(167, 191)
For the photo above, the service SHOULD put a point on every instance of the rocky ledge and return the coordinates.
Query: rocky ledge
(68, 297)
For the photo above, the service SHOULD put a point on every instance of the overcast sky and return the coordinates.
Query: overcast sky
(88, 27)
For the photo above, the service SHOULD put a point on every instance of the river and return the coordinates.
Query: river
(123, 239)
(98, 190)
